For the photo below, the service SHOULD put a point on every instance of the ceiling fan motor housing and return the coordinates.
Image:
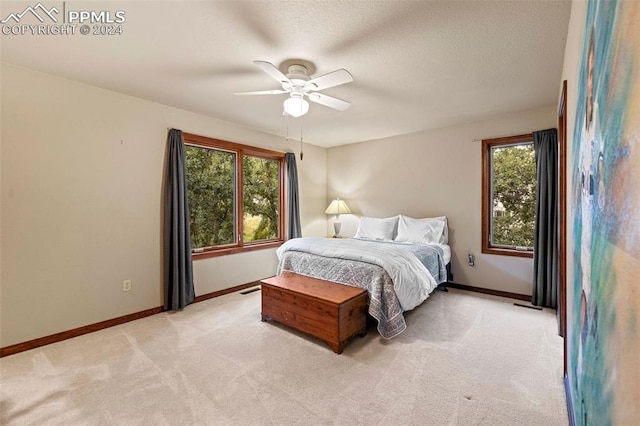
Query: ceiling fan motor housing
(297, 72)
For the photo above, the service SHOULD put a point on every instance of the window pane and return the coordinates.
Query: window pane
(211, 194)
(513, 195)
(261, 198)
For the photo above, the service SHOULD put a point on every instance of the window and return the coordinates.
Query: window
(235, 195)
(508, 195)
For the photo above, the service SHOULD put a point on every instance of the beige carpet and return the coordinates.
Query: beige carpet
(465, 359)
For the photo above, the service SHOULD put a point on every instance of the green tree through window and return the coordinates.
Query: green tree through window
(235, 196)
(211, 195)
(261, 195)
(514, 195)
(508, 195)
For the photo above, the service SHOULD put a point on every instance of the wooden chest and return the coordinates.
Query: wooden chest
(329, 311)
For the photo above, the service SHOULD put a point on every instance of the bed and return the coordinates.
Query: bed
(398, 260)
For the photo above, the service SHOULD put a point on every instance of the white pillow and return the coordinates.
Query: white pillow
(444, 238)
(377, 228)
(425, 231)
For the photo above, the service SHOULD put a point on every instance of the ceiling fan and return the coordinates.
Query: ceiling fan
(298, 84)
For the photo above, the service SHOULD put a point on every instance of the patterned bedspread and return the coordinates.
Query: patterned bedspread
(384, 305)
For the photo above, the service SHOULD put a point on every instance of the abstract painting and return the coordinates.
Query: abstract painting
(604, 309)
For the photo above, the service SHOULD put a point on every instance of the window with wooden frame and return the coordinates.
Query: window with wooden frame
(236, 196)
(508, 195)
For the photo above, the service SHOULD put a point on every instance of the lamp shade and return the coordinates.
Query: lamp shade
(337, 206)
(296, 106)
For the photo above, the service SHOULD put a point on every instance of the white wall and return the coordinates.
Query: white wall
(81, 186)
(570, 72)
(81, 180)
(434, 173)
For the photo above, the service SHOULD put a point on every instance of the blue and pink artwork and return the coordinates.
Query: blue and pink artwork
(604, 298)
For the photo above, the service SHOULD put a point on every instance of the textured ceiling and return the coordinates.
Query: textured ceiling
(417, 64)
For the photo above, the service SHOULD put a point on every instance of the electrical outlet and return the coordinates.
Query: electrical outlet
(126, 285)
(472, 260)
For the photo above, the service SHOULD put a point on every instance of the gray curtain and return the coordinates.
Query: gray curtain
(293, 203)
(545, 255)
(178, 268)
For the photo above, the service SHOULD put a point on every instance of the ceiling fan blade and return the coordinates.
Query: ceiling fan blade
(263, 92)
(329, 101)
(274, 72)
(332, 79)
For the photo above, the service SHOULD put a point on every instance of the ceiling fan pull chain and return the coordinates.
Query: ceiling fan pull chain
(301, 153)
(287, 127)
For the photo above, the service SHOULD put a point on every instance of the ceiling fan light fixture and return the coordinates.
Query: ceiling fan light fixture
(296, 106)
(298, 84)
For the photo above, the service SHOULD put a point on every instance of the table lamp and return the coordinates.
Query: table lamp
(337, 207)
